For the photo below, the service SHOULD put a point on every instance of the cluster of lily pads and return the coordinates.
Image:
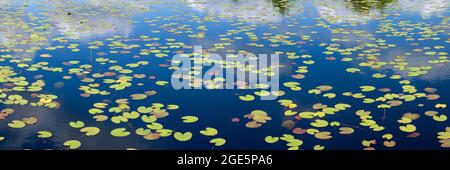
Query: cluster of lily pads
(117, 64)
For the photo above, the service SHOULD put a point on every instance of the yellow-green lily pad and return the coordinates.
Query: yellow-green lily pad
(209, 131)
(218, 141)
(72, 144)
(120, 132)
(45, 134)
(182, 136)
(189, 119)
(17, 124)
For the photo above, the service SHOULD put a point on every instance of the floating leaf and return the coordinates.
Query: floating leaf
(45, 134)
(90, 131)
(152, 136)
(441, 106)
(172, 107)
(387, 136)
(323, 135)
(120, 132)
(77, 124)
(324, 88)
(270, 139)
(367, 88)
(247, 98)
(209, 131)
(389, 144)
(289, 113)
(319, 147)
(72, 144)
(138, 96)
(182, 136)
(189, 119)
(441, 118)
(100, 118)
(346, 130)
(408, 128)
(319, 123)
(7, 111)
(161, 83)
(260, 116)
(30, 120)
(17, 124)
(253, 124)
(217, 141)
(46, 55)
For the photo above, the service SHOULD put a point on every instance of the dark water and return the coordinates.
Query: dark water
(406, 39)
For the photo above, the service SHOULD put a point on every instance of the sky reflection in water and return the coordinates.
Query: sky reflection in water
(404, 39)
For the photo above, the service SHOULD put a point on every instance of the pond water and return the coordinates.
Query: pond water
(96, 74)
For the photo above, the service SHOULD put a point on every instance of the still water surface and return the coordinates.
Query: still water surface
(372, 74)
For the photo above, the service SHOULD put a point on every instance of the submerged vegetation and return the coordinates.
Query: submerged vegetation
(354, 74)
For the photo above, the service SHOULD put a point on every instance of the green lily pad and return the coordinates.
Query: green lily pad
(77, 124)
(90, 131)
(182, 136)
(72, 144)
(17, 124)
(189, 119)
(218, 141)
(270, 139)
(120, 132)
(209, 131)
(45, 134)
